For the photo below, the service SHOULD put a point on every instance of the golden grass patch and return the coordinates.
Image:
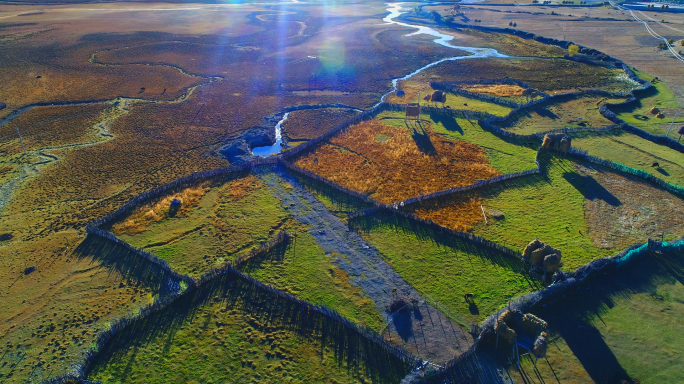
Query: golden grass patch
(159, 210)
(407, 162)
(502, 90)
(460, 215)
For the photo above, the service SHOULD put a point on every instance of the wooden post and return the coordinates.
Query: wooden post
(483, 214)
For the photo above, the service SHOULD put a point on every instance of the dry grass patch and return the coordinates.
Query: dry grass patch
(460, 214)
(501, 90)
(394, 163)
(311, 123)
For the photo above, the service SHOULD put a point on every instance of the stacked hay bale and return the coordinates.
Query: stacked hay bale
(542, 255)
(512, 319)
(655, 110)
(557, 142)
(541, 346)
(501, 327)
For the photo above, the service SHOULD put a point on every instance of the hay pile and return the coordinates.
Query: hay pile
(655, 110)
(512, 319)
(542, 255)
(557, 142)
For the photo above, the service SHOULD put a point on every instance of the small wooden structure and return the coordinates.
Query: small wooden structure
(412, 112)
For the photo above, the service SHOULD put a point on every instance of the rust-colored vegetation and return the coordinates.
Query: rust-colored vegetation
(501, 90)
(160, 210)
(462, 212)
(394, 163)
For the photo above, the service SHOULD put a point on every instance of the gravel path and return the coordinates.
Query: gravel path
(423, 330)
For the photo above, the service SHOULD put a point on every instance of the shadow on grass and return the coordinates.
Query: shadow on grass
(433, 234)
(590, 188)
(543, 112)
(234, 291)
(662, 171)
(121, 260)
(572, 317)
(342, 201)
(449, 122)
(423, 142)
(275, 254)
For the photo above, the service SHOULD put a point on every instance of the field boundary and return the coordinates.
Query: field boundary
(566, 282)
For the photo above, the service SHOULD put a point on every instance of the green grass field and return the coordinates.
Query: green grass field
(229, 332)
(443, 268)
(633, 151)
(625, 326)
(454, 101)
(506, 155)
(306, 271)
(542, 206)
(639, 115)
(221, 227)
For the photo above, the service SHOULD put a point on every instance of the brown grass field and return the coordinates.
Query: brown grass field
(394, 163)
(311, 123)
(547, 75)
(500, 90)
(44, 127)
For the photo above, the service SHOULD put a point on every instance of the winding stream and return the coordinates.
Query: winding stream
(395, 10)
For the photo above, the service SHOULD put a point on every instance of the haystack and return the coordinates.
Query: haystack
(502, 329)
(551, 263)
(660, 115)
(438, 97)
(534, 244)
(537, 256)
(655, 110)
(557, 142)
(532, 325)
(541, 346)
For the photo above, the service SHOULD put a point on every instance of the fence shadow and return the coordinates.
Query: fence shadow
(235, 291)
(123, 261)
(342, 201)
(571, 317)
(257, 261)
(433, 234)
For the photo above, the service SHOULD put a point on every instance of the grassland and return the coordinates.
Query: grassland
(52, 315)
(412, 89)
(229, 331)
(310, 123)
(633, 151)
(216, 223)
(640, 114)
(444, 268)
(586, 212)
(573, 113)
(622, 327)
(308, 272)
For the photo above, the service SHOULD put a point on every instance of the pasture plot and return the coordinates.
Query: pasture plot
(444, 268)
(643, 116)
(512, 92)
(573, 113)
(413, 89)
(631, 150)
(393, 163)
(504, 154)
(507, 44)
(310, 123)
(621, 327)
(50, 317)
(547, 75)
(585, 211)
(215, 223)
(306, 271)
(232, 331)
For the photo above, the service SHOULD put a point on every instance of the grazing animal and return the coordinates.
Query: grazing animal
(469, 297)
(655, 165)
